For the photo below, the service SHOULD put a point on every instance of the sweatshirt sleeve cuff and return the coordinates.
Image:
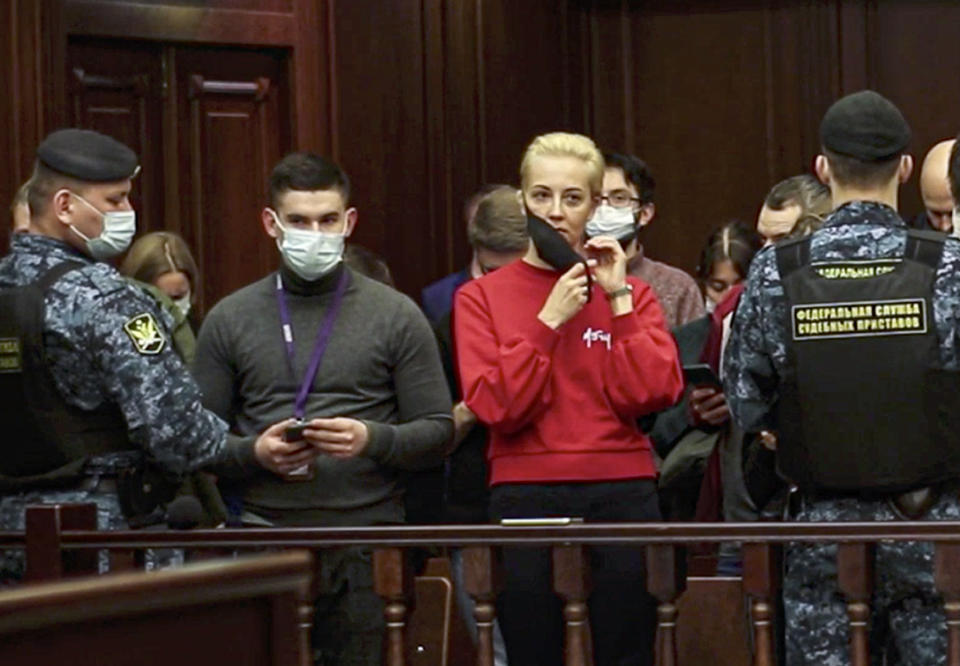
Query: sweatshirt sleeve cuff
(379, 439)
(239, 459)
(543, 338)
(626, 326)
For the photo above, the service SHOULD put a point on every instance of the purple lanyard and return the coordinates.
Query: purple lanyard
(319, 347)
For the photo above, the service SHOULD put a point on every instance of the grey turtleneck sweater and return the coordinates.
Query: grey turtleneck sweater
(381, 366)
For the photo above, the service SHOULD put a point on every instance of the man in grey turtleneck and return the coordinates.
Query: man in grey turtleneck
(372, 400)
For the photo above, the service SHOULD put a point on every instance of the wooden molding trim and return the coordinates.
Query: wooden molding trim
(178, 23)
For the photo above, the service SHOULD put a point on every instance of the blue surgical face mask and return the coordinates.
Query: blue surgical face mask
(608, 220)
(119, 226)
(956, 222)
(309, 254)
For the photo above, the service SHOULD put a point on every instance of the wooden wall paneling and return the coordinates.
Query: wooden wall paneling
(611, 90)
(117, 88)
(170, 92)
(464, 167)
(233, 115)
(434, 227)
(800, 82)
(914, 61)
(34, 105)
(309, 77)
(9, 144)
(382, 138)
(528, 87)
(700, 120)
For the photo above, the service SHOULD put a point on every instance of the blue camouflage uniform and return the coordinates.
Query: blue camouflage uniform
(95, 361)
(907, 611)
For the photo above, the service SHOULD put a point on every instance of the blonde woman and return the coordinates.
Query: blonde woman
(559, 354)
(162, 259)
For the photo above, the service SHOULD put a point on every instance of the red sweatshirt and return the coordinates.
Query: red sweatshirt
(562, 405)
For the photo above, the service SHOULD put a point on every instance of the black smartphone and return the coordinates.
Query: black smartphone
(701, 374)
(294, 433)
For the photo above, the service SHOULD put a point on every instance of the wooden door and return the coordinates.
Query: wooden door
(208, 124)
(117, 88)
(232, 127)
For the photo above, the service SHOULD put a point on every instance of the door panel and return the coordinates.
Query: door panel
(234, 127)
(116, 88)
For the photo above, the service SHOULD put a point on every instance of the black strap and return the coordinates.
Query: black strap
(925, 246)
(792, 254)
(48, 279)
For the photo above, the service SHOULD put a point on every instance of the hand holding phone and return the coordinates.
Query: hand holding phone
(701, 374)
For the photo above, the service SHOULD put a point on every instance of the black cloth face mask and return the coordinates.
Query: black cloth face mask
(554, 249)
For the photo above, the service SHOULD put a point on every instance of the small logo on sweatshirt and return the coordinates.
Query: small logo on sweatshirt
(591, 336)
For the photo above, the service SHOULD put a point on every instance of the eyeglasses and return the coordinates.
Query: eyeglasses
(620, 199)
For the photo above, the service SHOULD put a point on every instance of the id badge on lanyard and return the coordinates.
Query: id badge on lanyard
(295, 432)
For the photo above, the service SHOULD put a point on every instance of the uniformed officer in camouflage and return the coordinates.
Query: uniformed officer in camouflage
(864, 137)
(107, 367)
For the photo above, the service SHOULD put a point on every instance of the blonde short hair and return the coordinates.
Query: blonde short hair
(565, 144)
(157, 253)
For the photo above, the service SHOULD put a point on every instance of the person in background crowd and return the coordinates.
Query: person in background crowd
(788, 201)
(161, 264)
(559, 355)
(458, 492)
(842, 356)
(626, 208)
(110, 416)
(353, 367)
(437, 298)
(688, 433)
(20, 209)
(725, 260)
(369, 263)
(164, 260)
(935, 190)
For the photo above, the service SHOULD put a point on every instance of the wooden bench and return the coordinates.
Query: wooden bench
(244, 612)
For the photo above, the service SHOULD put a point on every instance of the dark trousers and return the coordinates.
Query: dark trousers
(348, 626)
(622, 613)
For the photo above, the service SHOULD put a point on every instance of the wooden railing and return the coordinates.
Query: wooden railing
(55, 546)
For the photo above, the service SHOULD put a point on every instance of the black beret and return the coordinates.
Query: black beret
(87, 155)
(866, 126)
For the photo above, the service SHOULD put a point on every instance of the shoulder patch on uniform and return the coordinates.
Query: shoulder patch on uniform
(146, 334)
(11, 359)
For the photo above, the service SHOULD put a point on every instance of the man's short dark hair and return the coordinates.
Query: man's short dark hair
(500, 224)
(307, 172)
(804, 190)
(367, 262)
(636, 172)
(852, 172)
(953, 172)
(44, 183)
(470, 205)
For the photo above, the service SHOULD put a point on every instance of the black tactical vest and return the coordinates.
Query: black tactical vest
(864, 405)
(45, 441)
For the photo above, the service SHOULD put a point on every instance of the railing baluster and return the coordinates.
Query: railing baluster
(571, 581)
(761, 579)
(44, 558)
(392, 583)
(855, 579)
(666, 579)
(947, 576)
(482, 582)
